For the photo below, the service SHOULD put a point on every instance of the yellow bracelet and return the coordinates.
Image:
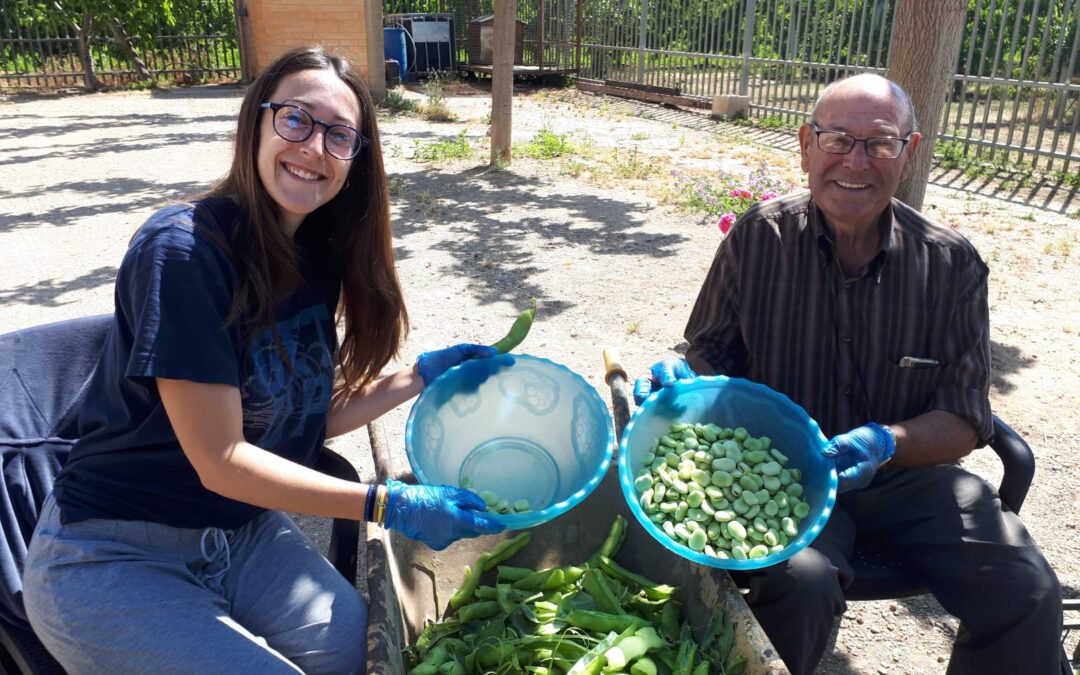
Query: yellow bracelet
(381, 497)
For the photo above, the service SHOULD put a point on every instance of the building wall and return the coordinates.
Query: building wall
(275, 26)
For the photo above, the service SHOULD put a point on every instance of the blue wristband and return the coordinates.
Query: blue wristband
(369, 502)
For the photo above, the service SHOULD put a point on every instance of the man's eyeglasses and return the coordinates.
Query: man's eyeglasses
(879, 147)
(296, 125)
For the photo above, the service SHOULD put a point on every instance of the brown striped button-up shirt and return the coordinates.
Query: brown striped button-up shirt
(777, 308)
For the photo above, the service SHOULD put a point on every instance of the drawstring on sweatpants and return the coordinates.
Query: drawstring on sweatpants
(214, 547)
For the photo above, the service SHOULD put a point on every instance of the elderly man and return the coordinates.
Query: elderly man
(875, 320)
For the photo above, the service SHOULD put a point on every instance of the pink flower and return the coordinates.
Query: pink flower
(769, 194)
(742, 193)
(726, 221)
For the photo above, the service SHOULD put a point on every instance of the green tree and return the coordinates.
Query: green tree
(130, 25)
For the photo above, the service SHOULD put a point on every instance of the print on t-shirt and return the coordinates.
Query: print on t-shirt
(277, 402)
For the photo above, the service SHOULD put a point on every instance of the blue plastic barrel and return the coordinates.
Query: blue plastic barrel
(394, 48)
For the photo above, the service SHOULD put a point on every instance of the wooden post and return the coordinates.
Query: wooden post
(502, 80)
(922, 59)
(243, 33)
(375, 58)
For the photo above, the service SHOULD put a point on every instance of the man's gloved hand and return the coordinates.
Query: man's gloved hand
(437, 515)
(662, 374)
(433, 364)
(859, 453)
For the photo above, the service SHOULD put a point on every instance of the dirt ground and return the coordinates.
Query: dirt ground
(596, 235)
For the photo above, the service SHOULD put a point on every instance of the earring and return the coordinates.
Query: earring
(346, 185)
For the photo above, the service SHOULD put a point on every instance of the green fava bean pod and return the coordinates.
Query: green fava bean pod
(518, 330)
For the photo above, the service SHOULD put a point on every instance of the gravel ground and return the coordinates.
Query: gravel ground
(596, 235)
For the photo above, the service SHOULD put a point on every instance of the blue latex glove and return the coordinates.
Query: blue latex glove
(433, 364)
(859, 453)
(437, 515)
(662, 374)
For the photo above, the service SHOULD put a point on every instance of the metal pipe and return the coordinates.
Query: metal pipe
(748, 33)
(641, 41)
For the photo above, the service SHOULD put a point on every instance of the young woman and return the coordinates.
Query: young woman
(164, 547)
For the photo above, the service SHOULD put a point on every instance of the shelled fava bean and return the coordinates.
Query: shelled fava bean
(721, 492)
(494, 503)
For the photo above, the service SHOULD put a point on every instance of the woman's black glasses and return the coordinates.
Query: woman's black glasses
(296, 125)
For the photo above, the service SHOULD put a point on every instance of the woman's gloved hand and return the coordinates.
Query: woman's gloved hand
(432, 364)
(437, 515)
(859, 453)
(662, 374)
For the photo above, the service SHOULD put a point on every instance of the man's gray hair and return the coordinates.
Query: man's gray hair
(897, 92)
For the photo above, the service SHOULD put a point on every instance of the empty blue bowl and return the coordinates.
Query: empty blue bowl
(733, 402)
(520, 426)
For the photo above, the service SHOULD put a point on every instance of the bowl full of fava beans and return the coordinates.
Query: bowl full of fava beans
(726, 472)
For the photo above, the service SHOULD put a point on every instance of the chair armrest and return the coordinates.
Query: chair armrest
(344, 533)
(1019, 464)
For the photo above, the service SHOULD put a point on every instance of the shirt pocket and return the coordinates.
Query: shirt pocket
(897, 393)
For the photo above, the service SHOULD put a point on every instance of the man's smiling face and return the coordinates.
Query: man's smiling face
(853, 189)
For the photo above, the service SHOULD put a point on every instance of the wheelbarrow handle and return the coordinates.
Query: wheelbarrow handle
(616, 379)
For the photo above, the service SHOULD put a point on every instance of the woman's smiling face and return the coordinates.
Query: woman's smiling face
(301, 177)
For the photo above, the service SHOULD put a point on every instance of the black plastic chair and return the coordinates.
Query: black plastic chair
(1071, 609)
(879, 577)
(43, 372)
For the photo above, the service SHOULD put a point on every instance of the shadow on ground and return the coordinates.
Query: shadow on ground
(117, 196)
(47, 293)
(499, 256)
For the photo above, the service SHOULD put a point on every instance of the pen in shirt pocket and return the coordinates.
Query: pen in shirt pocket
(918, 362)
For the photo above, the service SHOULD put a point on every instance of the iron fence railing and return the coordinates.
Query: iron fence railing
(40, 46)
(1015, 102)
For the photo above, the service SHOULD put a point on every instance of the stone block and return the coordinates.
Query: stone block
(730, 106)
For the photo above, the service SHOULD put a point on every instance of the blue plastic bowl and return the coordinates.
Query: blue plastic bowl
(733, 402)
(520, 426)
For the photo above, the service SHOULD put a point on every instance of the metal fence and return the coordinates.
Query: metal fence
(549, 37)
(40, 46)
(1015, 102)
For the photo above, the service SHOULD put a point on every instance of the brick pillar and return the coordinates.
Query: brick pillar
(275, 26)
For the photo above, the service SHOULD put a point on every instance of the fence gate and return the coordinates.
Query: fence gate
(43, 46)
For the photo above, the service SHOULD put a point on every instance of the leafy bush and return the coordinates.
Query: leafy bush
(457, 147)
(729, 197)
(396, 102)
(546, 144)
(434, 108)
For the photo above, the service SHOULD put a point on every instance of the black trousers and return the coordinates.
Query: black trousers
(975, 556)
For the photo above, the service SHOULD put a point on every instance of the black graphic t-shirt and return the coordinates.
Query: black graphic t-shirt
(173, 293)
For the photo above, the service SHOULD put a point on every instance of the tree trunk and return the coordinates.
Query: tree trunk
(121, 38)
(502, 80)
(922, 59)
(86, 56)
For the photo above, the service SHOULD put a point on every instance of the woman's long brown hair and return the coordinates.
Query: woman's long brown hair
(355, 223)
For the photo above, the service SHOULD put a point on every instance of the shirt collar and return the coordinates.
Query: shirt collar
(886, 225)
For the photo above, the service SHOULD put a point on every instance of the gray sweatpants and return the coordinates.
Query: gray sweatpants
(112, 596)
(950, 527)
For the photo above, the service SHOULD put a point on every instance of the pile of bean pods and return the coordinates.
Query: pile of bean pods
(721, 492)
(585, 619)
